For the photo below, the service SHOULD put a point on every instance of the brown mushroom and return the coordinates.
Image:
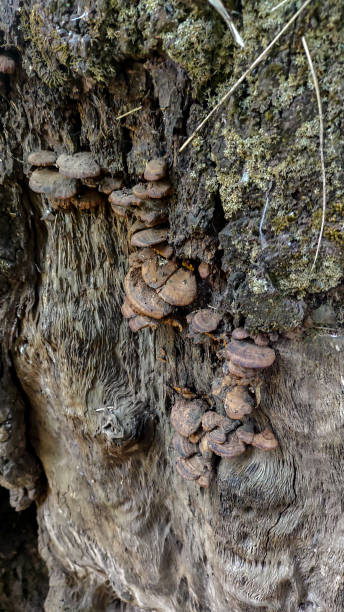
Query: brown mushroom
(155, 170)
(204, 270)
(52, 183)
(151, 217)
(265, 440)
(139, 257)
(127, 311)
(195, 437)
(79, 166)
(238, 403)
(155, 272)
(109, 184)
(183, 447)
(204, 448)
(180, 289)
(140, 191)
(232, 448)
(88, 199)
(124, 197)
(211, 419)
(140, 322)
(261, 339)
(241, 372)
(143, 299)
(205, 321)
(7, 64)
(216, 435)
(191, 468)
(249, 355)
(240, 333)
(149, 237)
(42, 158)
(245, 433)
(159, 189)
(164, 249)
(186, 416)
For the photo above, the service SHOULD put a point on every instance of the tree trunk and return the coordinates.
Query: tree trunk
(85, 409)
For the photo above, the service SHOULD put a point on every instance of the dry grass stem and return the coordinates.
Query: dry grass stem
(217, 4)
(263, 240)
(321, 144)
(279, 5)
(245, 74)
(134, 110)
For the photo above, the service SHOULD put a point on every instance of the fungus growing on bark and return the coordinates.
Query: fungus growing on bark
(186, 416)
(140, 191)
(79, 166)
(204, 270)
(232, 448)
(191, 468)
(141, 322)
(164, 249)
(52, 183)
(42, 158)
(143, 299)
(155, 170)
(241, 372)
(7, 64)
(139, 257)
(159, 189)
(183, 446)
(216, 435)
(180, 289)
(149, 237)
(261, 339)
(127, 311)
(151, 216)
(245, 433)
(88, 199)
(238, 403)
(120, 211)
(60, 204)
(211, 419)
(155, 272)
(205, 479)
(265, 440)
(205, 321)
(249, 355)
(124, 197)
(108, 184)
(240, 333)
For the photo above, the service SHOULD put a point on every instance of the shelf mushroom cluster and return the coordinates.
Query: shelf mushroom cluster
(67, 180)
(200, 432)
(156, 283)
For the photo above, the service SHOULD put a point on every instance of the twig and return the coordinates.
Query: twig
(245, 74)
(321, 144)
(134, 110)
(217, 4)
(262, 237)
(278, 5)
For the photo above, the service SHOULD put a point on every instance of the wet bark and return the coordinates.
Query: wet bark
(85, 403)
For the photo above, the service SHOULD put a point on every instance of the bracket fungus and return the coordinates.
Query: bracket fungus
(233, 447)
(141, 322)
(211, 419)
(155, 169)
(149, 237)
(238, 403)
(124, 197)
(52, 183)
(186, 416)
(108, 184)
(88, 199)
(192, 468)
(204, 270)
(180, 289)
(265, 440)
(248, 355)
(79, 166)
(205, 321)
(183, 446)
(159, 189)
(155, 272)
(42, 158)
(143, 299)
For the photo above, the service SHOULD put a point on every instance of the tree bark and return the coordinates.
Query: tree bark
(85, 407)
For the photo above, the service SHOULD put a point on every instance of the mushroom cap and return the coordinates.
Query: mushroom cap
(139, 257)
(79, 166)
(204, 270)
(205, 321)
(238, 403)
(180, 289)
(261, 339)
(108, 184)
(143, 299)
(7, 64)
(240, 333)
(140, 191)
(249, 355)
(159, 189)
(216, 435)
(52, 183)
(88, 199)
(245, 433)
(265, 440)
(164, 249)
(42, 158)
(151, 217)
(241, 372)
(140, 322)
(155, 169)
(124, 197)
(120, 211)
(186, 416)
(155, 272)
(191, 468)
(211, 419)
(183, 446)
(232, 448)
(149, 237)
(195, 437)
(127, 311)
